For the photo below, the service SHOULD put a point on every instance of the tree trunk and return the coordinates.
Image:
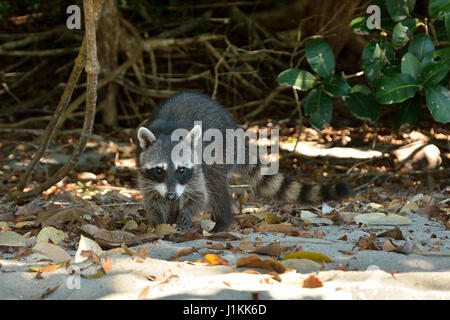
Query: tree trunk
(330, 18)
(108, 52)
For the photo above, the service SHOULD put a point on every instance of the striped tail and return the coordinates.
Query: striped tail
(281, 187)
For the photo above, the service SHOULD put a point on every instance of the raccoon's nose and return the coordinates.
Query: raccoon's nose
(171, 196)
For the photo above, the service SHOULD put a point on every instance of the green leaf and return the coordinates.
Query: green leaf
(442, 55)
(399, 36)
(410, 65)
(402, 31)
(361, 89)
(336, 86)
(390, 71)
(319, 108)
(421, 45)
(386, 21)
(438, 8)
(376, 55)
(362, 106)
(359, 26)
(320, 57)
(438, 102)
(400, 9)
(300, 79)
(396, 89)
(408, 113)
(433, 72)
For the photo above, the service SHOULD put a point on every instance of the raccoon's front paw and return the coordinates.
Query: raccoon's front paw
(184, 221)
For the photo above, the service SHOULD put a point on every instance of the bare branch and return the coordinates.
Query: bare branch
(92, 70)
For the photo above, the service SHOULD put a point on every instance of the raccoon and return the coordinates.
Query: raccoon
(175, 189)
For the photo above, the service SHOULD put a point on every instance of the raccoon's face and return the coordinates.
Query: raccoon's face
(158, 170)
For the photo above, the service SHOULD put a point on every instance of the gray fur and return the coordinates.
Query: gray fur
(207, 187)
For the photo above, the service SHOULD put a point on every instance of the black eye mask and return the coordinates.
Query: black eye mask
(155, 174)
(184, 175)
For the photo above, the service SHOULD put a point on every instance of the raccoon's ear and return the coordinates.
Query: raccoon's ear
(194, 135)
(146, 138)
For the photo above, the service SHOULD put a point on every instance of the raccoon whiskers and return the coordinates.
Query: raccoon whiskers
(193, 196)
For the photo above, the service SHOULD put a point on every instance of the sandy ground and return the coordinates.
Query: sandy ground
(421, 275)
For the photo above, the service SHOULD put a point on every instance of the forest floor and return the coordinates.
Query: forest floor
(88, 238)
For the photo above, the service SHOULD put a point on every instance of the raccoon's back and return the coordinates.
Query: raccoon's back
(184, 108)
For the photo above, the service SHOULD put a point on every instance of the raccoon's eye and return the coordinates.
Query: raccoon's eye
(156, 174)
(181, 170)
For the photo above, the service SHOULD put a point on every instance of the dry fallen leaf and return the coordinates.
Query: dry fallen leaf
(430, 211)
(46, 293)
(273, 249)
(111, 237)
(318, 234)
(226, 283)
(388, 246)
(91, 255)
(315, 256)
(253, 261)
(50, 233)
(130, 226)
(84, 245)
(106, 264)
(256, 296)
(309, 217)
(93, 275)
(274, 276)
(312, 282)
(207, 224)
(144, 293)
(348, 253)
(367, 243)
(394, 205)
(52, 251)
(58, 217)
(6, 217)
(216, 260)
(243, 197)
(127, 250)
(244, 245)
(23, 253)
(216, 246)
(11, 239)
(395, 233)
(251, 271)
(142, 252)
(342, 267)
(375, 218)
(164, 229)
(183, 252)
(281, 228)
(409, 208)
(48, 268)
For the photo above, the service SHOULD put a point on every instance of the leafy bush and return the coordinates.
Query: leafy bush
(404, 64)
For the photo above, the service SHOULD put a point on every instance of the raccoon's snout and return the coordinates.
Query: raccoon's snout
(171, 196)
